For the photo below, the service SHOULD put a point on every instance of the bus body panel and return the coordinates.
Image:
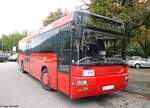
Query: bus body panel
(21, 59)
(35, 65)
(104, 76)
(95, 84)
(52, 69)
(63, 82)
(50, 62)
(37, 61)
(76, 71)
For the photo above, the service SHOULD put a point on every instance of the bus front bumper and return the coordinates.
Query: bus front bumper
(97, 85)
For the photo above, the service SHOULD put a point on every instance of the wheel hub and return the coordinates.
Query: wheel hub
(45, 79)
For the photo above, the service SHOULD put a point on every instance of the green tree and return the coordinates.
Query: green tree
(53, 16)
(143, 40)
(8, 41)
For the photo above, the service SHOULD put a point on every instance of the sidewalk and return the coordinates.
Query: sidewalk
(139, 81)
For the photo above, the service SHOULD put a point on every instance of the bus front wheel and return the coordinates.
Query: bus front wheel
(45, 79)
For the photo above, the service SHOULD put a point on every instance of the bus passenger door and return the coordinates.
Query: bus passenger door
(64, 61)
(28, 56)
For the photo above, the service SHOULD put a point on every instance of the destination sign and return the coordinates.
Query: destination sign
(104, 24)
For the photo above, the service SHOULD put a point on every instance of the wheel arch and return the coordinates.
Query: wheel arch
(42, 73)
(137, 64)
(21, 62)
(43, 67)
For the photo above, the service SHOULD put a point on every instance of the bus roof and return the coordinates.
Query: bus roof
(103, 17)
(63, 20)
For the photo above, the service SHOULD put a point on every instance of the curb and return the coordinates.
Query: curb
(140, 92)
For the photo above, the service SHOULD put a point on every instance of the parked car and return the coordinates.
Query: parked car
(137, 63)
(13, 57)
(133, 58)
(3, 57)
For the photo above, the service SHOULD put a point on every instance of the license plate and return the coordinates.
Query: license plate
(109, 87)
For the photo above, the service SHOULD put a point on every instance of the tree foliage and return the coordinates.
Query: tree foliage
(8, 41)
(135, 14)
(143, 39)
(53, 16)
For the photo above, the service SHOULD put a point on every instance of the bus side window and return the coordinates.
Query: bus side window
(22, 47)
(55, 43)
(64, 51)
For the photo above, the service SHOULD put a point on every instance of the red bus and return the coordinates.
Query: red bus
(80, 55)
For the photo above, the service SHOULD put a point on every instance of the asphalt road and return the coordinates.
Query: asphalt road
(139, 81)
(18, 90)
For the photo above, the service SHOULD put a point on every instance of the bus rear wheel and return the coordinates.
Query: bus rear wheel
(22, 68)
(45, 79)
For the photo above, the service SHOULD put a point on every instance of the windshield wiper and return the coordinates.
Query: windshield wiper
(82, 59)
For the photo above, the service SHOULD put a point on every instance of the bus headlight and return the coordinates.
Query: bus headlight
(82, 82)
(88, 73)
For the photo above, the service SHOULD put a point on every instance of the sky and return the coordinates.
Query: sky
(21, 15)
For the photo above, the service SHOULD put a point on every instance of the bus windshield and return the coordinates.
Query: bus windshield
(95, 48)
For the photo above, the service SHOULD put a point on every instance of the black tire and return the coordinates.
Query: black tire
(44, 74)
(137, 66)
(22, 68)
